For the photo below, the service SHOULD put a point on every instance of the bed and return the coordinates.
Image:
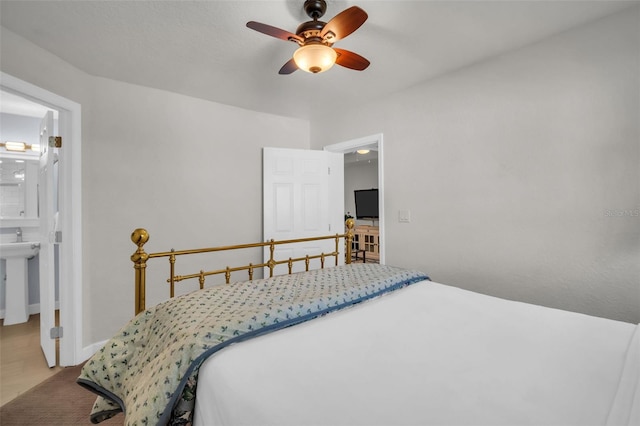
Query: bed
(359, 344)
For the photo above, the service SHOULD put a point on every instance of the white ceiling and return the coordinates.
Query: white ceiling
(203, 48)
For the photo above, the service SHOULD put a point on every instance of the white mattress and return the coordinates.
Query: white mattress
(429, 354)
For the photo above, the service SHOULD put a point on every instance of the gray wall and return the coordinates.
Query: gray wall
(187, 170)
(19, 128)
(521, 172)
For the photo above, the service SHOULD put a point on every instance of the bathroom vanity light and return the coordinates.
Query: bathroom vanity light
(19, 146)
(15, 146)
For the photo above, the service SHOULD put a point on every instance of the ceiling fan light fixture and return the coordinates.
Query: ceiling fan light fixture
(315, 58)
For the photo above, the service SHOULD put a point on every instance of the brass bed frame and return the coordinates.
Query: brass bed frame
(139, 258)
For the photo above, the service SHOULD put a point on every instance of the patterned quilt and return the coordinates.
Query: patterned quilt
(149, 369)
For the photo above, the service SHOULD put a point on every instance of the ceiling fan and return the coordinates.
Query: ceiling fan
(316, 39)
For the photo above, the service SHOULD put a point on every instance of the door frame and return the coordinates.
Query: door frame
(70, 192)
(354, 144)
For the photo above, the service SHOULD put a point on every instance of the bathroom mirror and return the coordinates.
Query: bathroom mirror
(18, 188)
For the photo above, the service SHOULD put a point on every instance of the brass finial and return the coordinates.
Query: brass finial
(350, 223)
(139, 237)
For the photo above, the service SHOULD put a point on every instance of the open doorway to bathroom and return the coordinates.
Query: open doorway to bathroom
(66, 329)
(20, 232)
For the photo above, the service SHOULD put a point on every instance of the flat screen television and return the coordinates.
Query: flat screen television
(366, 203)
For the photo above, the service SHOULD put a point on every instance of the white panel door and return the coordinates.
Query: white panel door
(302, 198)
(46, 208)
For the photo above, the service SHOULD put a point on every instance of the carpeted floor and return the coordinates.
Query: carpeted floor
(58, 401)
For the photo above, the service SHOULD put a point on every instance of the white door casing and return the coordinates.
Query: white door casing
(302, 197)
(46, 208)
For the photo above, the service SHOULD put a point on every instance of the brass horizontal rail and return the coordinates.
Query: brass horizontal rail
(242, 246)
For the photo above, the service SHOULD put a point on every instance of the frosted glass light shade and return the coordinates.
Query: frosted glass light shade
(315, 58)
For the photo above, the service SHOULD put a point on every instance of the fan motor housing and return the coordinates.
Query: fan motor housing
(310, 28)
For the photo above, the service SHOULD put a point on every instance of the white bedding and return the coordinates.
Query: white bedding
(429, 354)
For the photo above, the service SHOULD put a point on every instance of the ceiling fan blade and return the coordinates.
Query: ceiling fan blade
(274, 32)
(288, 68)
(351, 60)
(343, 24)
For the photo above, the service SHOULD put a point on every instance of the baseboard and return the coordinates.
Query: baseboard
(88, 351)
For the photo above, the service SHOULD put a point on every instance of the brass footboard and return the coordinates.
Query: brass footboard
(140, 257)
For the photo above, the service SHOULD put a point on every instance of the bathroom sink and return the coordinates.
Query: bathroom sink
(16, 291)
(24, 249)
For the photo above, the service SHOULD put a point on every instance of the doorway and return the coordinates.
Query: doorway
(70, 221)
(372, 142)
(22, 211)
